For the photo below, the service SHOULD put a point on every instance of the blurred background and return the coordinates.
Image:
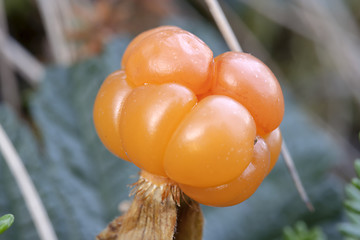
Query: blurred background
(54, 54)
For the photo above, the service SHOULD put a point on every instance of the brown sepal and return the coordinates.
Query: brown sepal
(159, 211)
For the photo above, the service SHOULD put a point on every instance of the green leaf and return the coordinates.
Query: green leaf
(301, 232)
(5, 222)
(351, 238)
(357, 167)
(350, 230)
(352, 205)
(356, 182)
(352, 192)
(353, 217)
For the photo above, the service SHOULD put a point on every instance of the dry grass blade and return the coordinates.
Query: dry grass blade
(8, 83)
(35, 206)
(295, 176)
(224, 26)
(21, 59)
(54, 30)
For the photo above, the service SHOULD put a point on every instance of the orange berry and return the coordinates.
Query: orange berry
(212, 145)
(274, 141)
(170, 56)
(239, 189)
(133, 44)
(250, 82)
(187, 119)
(150, 116)
(107, 111)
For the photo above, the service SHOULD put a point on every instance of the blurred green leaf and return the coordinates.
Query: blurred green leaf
(350, 230)
(17, 6)
(352, 192)
(81, 183)
(357, 167)
(353, 217)
(352, 205)
(356, 182)
(301, 232)
(5, 222)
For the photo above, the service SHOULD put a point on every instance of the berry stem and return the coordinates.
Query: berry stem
(234, 45)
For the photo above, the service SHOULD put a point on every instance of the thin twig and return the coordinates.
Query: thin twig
(18, 57)
(295, 176)
(224, 26)
(69, 22)
(54, 31)
(9, 88)
(27, 188)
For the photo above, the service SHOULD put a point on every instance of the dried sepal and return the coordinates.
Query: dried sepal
(112, 230)
(190, 221)
(159, 211)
